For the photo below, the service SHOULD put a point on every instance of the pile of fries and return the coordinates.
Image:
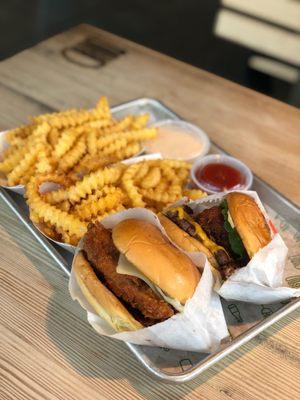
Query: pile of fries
(80, 152)
(71, 143)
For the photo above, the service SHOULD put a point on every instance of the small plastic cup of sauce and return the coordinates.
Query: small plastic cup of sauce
(220, 173)
(177, 139)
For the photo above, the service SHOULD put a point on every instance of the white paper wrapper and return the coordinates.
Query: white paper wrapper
(200, 327)
(261, 280)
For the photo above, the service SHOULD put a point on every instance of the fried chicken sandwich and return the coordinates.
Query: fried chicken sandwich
(228, 234)
(132, 275)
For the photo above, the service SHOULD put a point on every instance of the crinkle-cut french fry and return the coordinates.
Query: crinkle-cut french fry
(10, 162)
(132, 149)
(130, 136)
(29, 173)
(94, 197)
(92, 163)
(73, 156)
(104, 141)
(142, 171)
(162, 185)
(183, 174)
(70, 135)
(99, 125)
(100, 206)
(163, 197)
(74, 118)
(81, 189)
(59, 218)
(92, 142)
(43, 164)
(53, 136)
(140, 121)
(45, 227)
(112, 148)
(102, 108)
(34, 217)
(46, 117)
(152, 178)
(194, 194)
(113, 211)
(66, 237)
(174, 171)
(94, 181)
(21, 132)
(14, 177)
(8, 152)
(60, 179)
(39, 133)
(17, 142)
(120, 126)
(64, 206)
(175, 189)
(130, 188)
(142, 134)
(65, 142)
(169, 173)
(177, 164)
(51, 214)
(155, 206)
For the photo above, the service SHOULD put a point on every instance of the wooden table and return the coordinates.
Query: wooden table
(47, 350)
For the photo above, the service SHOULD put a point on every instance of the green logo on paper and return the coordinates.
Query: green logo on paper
(293, 281)
(185, 364)
(266, 311)
(295, 261)
(235, 312)
(297, 236)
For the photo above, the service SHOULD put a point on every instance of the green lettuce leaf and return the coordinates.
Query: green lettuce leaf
(235, 241)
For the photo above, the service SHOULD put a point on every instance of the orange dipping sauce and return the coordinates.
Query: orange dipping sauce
(173, 142)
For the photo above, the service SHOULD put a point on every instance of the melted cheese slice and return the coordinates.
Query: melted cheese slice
(125, 267)
(212, 246)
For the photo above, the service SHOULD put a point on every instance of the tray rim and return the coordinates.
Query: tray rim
(197, 369)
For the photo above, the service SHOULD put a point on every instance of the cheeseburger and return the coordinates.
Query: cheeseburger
(132, 275)
(229, 234)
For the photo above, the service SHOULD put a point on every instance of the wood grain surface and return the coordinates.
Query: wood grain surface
(47, 349)
(261, 131)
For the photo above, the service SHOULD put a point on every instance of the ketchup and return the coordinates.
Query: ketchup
(219, 177)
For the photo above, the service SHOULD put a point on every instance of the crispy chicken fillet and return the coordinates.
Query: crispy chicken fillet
(103, 255)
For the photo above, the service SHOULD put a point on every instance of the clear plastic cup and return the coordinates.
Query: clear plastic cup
(221, 159)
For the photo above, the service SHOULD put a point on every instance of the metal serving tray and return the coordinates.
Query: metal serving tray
(244, 320)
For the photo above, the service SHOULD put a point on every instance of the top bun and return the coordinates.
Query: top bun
(163, 264)
(184, 240)
(249, 222)
(103, 301)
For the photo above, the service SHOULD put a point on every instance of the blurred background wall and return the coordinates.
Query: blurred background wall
(253, 42)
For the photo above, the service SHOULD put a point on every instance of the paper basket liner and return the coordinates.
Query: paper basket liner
(200, 327)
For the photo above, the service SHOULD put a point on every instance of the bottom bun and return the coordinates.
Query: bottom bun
(103, 301)
(184, 240)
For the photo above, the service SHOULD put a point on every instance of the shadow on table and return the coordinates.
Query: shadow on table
(94, 356)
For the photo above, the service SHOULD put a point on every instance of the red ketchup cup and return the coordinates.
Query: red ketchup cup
(218, 173)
